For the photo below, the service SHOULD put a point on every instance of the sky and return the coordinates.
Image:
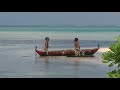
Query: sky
(59, 18)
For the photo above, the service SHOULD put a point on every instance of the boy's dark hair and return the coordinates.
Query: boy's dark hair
(76, 39)
(47, 38)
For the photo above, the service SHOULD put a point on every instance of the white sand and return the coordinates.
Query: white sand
(103, 50)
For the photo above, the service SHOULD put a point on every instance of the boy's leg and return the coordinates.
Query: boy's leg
(75, 52)
(83, 52)
(79, 53)
(47, 51)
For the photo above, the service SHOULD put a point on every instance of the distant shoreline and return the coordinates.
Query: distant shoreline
(60, 26)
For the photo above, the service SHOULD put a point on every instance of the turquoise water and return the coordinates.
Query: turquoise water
(63, 29)
(83, 33)
(17, 56)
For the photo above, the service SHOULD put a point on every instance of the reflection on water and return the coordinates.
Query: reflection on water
(57, 65)
(77, 62)
(49, 66)
(46, 64)
(47, 60)
(17, 56)
(62, 66)
(58, 59)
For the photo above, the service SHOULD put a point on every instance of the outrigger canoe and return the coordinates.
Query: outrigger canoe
(69, 53)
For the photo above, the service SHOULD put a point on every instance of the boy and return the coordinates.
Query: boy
(77, 47)
(46, 44)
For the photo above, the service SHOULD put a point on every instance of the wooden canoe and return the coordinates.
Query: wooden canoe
(69, 53)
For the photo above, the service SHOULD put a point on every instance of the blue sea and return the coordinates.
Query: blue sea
(17, 56)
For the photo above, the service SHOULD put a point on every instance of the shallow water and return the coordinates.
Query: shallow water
(17, 56)
(23, 63)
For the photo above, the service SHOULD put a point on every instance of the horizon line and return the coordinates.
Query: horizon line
(59, 25)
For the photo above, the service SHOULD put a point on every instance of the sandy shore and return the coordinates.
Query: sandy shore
(103, 50)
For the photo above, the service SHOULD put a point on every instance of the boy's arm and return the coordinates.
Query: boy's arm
(79, 45)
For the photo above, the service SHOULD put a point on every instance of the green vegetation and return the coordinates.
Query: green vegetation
(112, 58)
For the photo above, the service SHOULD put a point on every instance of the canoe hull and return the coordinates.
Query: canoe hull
(87, 52)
